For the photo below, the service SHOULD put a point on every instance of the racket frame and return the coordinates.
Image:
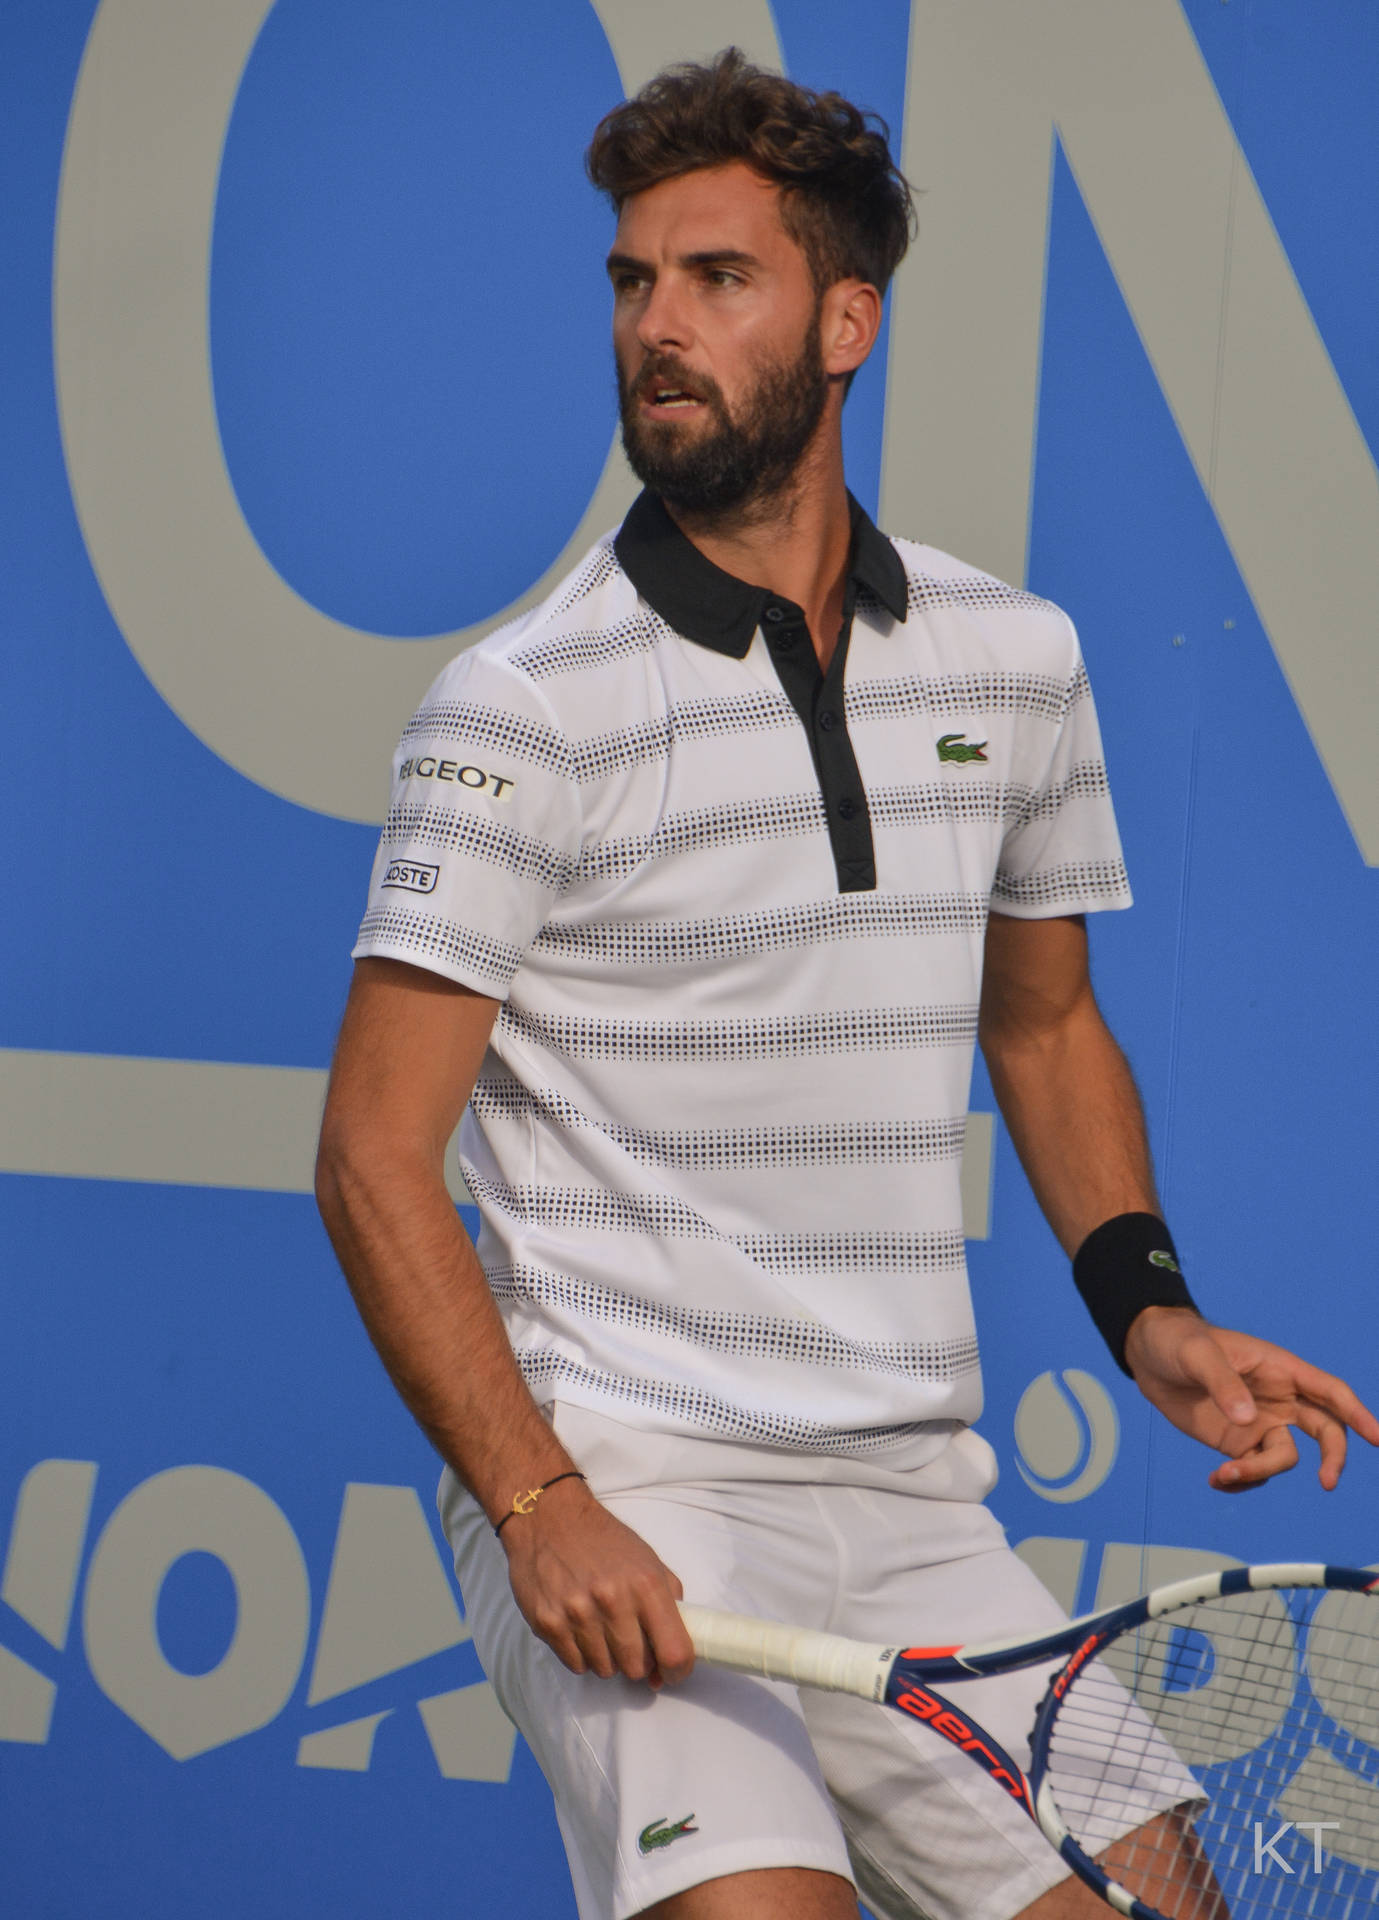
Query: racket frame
(906, 1678)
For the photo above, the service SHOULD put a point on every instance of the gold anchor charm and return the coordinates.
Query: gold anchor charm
(524, 1502)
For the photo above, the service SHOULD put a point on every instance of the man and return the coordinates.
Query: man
(694, 883)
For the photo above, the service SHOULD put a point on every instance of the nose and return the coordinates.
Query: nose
(663, 322)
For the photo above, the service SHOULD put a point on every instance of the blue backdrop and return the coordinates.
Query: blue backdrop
(248, 1688)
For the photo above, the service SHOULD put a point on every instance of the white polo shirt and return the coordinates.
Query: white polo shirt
(735, 910)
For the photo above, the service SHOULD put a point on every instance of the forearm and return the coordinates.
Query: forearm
(1071, 1107)
(1070, 1103)
(427, 1306)
(410, 1051)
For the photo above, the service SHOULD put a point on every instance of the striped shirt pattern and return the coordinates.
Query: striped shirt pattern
(716, 1139)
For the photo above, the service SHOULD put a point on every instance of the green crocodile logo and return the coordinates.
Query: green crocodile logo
(1161, 1259)
(660, 1834)
(957, 747)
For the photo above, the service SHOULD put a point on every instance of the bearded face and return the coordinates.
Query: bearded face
(708, 459)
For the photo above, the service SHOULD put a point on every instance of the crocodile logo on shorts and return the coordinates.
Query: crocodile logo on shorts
(660, 1834)
(1161, 1259)
(957, 747)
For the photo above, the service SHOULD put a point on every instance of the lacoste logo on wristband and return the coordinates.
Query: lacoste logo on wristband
(957, 747)
(1161, 1259)
(660, 1834)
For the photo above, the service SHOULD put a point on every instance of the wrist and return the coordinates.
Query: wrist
(525, 1501)
(1124, 1268)
(1139, 1328)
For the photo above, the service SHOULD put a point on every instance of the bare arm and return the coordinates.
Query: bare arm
(410, 1050)
(1064, 1089)
(1067, 1096)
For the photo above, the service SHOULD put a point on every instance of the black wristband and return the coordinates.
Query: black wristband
(1124, 1266)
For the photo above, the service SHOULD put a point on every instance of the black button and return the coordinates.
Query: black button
(847, 808)
(828, 721)
(775, 615)
(785, 641)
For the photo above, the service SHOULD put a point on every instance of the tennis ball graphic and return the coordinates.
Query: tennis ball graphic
(1066, 1435)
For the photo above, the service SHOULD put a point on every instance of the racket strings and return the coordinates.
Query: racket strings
(1223, 1761)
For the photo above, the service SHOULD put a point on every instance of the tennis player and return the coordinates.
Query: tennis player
(698, 885)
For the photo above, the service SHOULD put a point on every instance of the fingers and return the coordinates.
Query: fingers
(671, 1647)
(591, 1634)
(1273, 1453)
(599, 1629)
(1322, 1405)
(643, 1631)
(1336, 1398)
(601, 1599)
(1330, 1436)
(1276, 1452)
(1203, 1360)
(562, 1640)
(1280, 1375)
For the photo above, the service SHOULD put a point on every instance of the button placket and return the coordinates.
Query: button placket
(818, 700)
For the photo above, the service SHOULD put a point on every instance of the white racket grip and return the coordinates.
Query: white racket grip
(810, 1659)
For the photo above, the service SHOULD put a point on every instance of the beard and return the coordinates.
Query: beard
(732, 462)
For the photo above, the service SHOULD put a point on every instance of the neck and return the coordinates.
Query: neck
(794, 542)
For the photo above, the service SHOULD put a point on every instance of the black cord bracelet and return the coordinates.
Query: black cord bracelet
(1123, 1266)
(524, 1502)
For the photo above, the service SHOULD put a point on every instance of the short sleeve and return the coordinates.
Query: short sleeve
(483, 830)
(1062, 852)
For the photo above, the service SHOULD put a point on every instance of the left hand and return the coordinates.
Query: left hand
(1242, 1396)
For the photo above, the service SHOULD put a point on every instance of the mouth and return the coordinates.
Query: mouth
(662, 394)
(671, 399)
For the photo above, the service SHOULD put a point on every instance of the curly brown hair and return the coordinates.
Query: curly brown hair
(844, 201)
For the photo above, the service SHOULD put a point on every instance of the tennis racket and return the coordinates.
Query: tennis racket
(1220, 1733)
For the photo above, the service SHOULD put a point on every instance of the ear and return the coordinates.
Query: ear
(849, 321)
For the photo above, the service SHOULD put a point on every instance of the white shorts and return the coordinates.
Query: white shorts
(656, 1792)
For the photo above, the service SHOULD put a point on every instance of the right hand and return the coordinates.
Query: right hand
(594, 1591)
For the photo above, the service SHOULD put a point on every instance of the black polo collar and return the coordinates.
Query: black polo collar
(715, 608)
